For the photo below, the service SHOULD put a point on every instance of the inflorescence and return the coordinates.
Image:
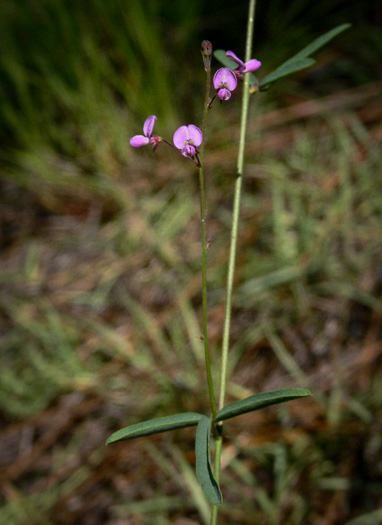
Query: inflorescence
(187, 139)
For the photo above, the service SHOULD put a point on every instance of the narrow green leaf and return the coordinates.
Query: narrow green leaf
(301, 60)
(220, 55)
(318, 43)
(286, 69)
(203, 464)
(155, 426)
(257, 401)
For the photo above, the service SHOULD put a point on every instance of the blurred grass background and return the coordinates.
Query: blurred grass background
(100, 253)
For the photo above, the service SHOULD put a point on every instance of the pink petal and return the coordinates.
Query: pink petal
(219, 78)
(148, 126)
(195, 135)
(252, 65)
(188, 150)
(225, 77)
(180, 137)
(234, 58)
(139, 140)
(224, 94)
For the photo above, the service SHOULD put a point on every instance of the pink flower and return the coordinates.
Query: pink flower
(139, 140)
(247, 67)
(224, 82)
(187, 139)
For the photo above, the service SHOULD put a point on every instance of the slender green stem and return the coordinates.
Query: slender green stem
(233, 244)
(204, 248)
(236, 209)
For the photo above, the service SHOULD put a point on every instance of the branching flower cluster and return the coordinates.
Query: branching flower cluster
(187, 139)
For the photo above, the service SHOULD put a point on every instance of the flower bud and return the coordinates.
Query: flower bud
(206, 48)
(206, 54)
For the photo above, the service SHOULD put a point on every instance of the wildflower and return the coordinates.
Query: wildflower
(187, 139)
(139, 140)
(224, 82)
(244, 67)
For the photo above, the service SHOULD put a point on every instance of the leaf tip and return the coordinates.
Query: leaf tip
(109, 440)
(305, 392)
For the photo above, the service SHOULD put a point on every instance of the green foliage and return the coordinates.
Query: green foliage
(203, 464)
(155, 426)
(318, 43)
(258, 401)
(286, 69)
(301, 60)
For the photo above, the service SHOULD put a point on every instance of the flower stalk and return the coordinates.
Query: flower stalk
(206, 54)
(236, 209)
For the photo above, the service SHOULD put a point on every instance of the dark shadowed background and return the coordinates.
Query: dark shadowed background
(100, 290)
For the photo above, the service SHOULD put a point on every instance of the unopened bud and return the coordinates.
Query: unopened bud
(206, 48)
(206, 54)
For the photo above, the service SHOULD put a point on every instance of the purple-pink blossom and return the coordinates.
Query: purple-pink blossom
(148, 138)
(187, 139)
(244, 67)
(224, 82)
